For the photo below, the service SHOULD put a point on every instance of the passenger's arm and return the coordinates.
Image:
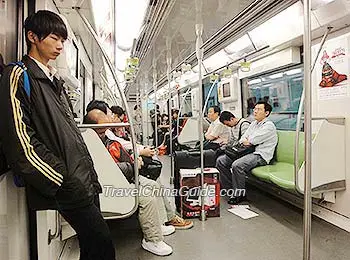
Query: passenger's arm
(25, 153)
(148, 152)
(210, 137)
(218, 130)
(261, 135)
(246, 133)
(215, 132)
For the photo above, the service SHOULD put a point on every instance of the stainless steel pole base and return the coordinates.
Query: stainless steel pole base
(203, 216)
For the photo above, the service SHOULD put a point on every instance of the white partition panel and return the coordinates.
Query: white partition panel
(328, 158)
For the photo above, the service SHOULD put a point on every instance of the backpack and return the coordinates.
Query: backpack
(4, 167)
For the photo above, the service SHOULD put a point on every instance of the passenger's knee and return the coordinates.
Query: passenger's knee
(220, 161)
(144, 201)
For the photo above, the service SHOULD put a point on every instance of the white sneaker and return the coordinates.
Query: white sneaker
(167, 230)
(157, 248)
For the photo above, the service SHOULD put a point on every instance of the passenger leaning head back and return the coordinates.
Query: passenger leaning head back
(262, 110)
(45, 34)
(213, 113)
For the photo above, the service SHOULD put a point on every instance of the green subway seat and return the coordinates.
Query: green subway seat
(262, 172)
(281, 172)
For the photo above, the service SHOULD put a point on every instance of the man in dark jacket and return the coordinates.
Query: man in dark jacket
(151, 213)
(42, 143)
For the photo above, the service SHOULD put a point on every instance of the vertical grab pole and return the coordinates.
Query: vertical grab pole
(155, 99)
(168, 62)
(308, 130)
(199, 54)
(180, 109)
(123, 97)
(138, 113)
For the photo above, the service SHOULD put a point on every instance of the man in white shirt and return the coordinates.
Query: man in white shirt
(217, 133)
(263, 135)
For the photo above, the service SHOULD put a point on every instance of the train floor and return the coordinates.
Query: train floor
(276, 234)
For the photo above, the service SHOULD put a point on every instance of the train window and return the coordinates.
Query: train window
(281, 89)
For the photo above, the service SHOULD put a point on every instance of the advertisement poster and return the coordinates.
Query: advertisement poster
(332, 70)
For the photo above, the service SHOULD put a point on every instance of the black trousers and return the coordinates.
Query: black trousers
(93, 233)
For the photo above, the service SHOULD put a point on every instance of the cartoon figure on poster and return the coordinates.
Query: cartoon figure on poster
(333, 69)
(330, 77)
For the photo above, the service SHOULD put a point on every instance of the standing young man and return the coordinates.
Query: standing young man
(42, 143)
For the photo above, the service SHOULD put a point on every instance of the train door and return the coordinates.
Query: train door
(14, 243)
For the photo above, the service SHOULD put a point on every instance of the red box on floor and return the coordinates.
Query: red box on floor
(190, 191)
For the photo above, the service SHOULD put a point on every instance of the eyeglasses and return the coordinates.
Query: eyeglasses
(258, 109)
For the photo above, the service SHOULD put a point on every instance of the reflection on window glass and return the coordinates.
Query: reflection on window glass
(282, 90)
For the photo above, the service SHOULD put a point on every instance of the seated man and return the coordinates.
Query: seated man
(174, 220)
(152, 214)
(263, 135)
(217, 133)
(238, 126)
(103, 106)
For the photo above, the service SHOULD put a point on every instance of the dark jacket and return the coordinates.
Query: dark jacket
(42, 143)
(122, 158)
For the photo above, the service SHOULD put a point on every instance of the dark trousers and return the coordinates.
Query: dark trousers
(93, 233)
(233, 173)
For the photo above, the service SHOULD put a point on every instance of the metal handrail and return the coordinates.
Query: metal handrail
(105, 87)
(181, 106)
(83, 126)
(200, 53)
(238, 59)
(58, 229)
(127, 110)
(308, 131)
(299, 117)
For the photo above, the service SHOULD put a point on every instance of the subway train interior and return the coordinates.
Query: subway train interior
(166, 63)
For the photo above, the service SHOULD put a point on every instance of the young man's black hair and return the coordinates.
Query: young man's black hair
(42, 24)
(267, 106)
(226, 116)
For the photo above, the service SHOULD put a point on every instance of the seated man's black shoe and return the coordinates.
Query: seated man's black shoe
(237, 200)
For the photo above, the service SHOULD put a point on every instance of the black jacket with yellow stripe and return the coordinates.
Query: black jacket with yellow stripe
(42, 143)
